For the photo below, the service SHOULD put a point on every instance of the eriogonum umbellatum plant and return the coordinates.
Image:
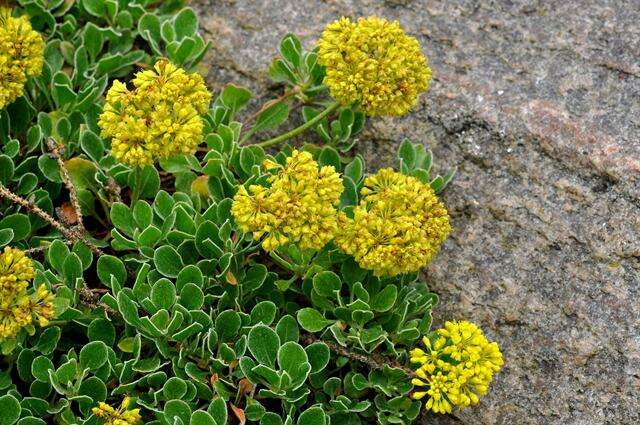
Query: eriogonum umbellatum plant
(166, 258)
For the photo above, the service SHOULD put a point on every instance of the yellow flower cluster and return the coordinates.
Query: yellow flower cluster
(158, 119)
(21, 55)
(18, 307)
(298, 207)
(456, 366)
(374, 63)
(120, 416)
(398, 226)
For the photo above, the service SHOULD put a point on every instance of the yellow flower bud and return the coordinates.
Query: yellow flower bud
(298, 207)
(398, 226)
(373, 63)
(21, 55)
(159, 118)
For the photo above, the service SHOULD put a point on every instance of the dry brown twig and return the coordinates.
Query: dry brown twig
(71, 234)
(66, 178)
(373, 361)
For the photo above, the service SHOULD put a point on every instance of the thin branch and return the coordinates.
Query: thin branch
(71, 234)
(373, 361)
(73, 194)
(112, 188)
(90, 298)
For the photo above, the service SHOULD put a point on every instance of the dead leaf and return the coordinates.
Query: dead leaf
(231, 279)
(67, 213)
(239, 414)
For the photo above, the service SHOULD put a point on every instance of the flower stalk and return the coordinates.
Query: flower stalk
(298, 130)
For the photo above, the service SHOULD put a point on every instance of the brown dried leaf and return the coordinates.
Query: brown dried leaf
(239, 414)
(67, 213)
(231, 279)
(244, 386)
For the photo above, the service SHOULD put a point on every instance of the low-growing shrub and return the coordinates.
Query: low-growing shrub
(169, 260)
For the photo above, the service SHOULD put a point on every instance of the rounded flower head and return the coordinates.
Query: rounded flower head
(298, 207)
(159, 118)
(373, 62)
(398, 226)
(455, 367)
(21, 55)
(18, 307)
(120, 416)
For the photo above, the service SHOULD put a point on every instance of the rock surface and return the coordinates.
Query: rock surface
(538, 105)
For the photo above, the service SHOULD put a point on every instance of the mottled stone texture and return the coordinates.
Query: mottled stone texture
(538, 105)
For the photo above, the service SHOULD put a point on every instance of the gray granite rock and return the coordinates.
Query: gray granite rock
(538, 105)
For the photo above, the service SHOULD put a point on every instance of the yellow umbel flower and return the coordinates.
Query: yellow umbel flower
(160, 118)
(120, 416)
(398, 226)
(298, 207)
(21, 55)
(372, 62)
(18, 307)
(456, 366)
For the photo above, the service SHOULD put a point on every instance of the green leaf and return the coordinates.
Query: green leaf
(354, 169)
(189, 274)
(142, 214)
(149, 182)
(228, 324)
(95, 388)
(291, 49)
(271, 117)
(6, 169)
(10, 408)
(218, 410)
(174, 388)
(72, 269)
(109, 266)
(186, 24)
(93, 355)
(19, 223)
(49, 168)
(327, 284)
(82, 172)
(235, 97)
(40, 368)
(122, 218)
(263, 343)
(6, 236)
(191, 296)
(200, 417)
(92, 145)
(270, 418)
(150, 22)
(264, 312)
(246, 159)
(163, 294)
(57, 253)
(95, 7)
(84, 254)
(384, 300)
(31, 420)
(293, 359)
(128, 309)
(48, 340)
(287, 329)
(407, 153)
(311, 320)
(312, 416)
(329, 156)
(177, 409)
(318, 354)
(168, 261)
(102, 330)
